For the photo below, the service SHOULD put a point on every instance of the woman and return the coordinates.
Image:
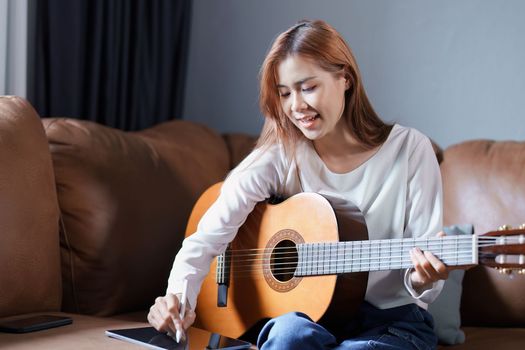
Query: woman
(322, 135)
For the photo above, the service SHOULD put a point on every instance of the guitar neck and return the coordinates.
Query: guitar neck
(328, 258)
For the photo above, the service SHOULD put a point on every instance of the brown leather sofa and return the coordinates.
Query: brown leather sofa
(484, 185)
(91, 218)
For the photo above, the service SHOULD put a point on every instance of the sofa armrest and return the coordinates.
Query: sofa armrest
(29, 250)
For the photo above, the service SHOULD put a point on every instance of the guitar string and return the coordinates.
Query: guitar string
(349, 246)
(437, 242)
(285, 256)
(287, 271)
(263, 262)
(318, 272)
(360, 260)
(345, 262)
(403, 263)
(485, 241)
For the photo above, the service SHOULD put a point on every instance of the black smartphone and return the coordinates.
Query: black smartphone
(218, 341)
(33, 323)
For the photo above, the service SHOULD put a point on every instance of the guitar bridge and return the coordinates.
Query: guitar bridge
(223, 277)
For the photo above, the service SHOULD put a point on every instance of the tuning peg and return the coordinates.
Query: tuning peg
(522, 227)
(521, 272)
(504, 227)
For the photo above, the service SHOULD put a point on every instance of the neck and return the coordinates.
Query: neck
(338, 144)
(341, 151)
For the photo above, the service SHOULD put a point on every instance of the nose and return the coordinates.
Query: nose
(298, 103)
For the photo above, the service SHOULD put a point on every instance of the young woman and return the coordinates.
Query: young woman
(322, 135)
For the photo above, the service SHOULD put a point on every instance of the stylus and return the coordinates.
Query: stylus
(182, 311)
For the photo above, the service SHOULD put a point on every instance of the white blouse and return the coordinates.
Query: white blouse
(398, 191)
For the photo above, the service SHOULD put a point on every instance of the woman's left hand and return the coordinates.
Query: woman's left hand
(427, 268)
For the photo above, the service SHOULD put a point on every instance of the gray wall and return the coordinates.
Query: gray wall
(453, 69)
(13, 47)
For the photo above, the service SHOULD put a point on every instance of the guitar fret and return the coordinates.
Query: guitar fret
(320, 258)
(315, 262)
(342, 258)
(323, 260)
(368, 251)
(329, 265)
(404, 251)
(347, 257)
(373, 248)
(456, 255)
(334, 257)
(391, 265)
(377, 257)
(299, 270)
(356, 257)
(338, 258)
(310, 259)
(363, 256)
(329, 258)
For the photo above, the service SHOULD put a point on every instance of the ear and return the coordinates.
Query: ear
(347, 82)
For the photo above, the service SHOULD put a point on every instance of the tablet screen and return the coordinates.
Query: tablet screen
(196, 339)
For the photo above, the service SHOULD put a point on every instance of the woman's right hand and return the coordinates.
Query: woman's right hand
(164, 315)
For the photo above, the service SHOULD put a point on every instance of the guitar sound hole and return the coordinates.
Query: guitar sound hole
(283, 261)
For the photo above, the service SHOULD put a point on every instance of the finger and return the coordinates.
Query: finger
(440, 269)
(156, 320)
(154, 317)
(151, 319)
(428, 267)
(418, 259)
(165, 316)
(173, 306)
(189, 319)
(441, 234)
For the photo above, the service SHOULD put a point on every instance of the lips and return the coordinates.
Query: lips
(308, 120)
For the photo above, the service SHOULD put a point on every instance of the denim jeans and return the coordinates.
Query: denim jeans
(404, 327)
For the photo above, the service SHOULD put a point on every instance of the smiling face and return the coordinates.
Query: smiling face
(311, 97)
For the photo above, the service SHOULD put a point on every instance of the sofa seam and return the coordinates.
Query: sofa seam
(71, 261)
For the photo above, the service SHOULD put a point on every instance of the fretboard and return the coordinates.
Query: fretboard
(330, 258)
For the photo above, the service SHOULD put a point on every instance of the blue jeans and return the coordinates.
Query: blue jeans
(404, 327)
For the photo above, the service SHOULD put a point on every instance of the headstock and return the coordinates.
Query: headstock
(504, 249)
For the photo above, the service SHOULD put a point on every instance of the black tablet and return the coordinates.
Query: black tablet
(197, 339)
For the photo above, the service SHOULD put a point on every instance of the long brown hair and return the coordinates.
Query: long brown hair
(320, 42)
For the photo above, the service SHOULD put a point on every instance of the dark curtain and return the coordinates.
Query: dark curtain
(120, 63)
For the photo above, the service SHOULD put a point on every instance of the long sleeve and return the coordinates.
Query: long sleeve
(249, 183)
(424, 207)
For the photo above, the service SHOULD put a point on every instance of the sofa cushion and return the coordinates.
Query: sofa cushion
(29, 249)
(445, 309)
(483, 184)
(125, 198)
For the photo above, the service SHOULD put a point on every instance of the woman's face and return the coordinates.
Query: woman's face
(312, 98)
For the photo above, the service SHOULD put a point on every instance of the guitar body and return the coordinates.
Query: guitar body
(258, 291)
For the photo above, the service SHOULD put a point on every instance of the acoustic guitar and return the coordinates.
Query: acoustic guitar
(294, 256)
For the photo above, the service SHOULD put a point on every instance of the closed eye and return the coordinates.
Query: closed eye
(309, 89)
